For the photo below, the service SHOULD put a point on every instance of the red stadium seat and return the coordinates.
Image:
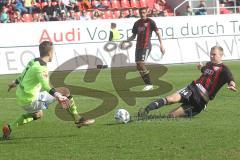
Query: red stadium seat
(116, 4)
(117, 13)
(125, 4)
(27, 18)
(106, 3)
(170, 14)
(108, 14)
(143, 3)
(126, 12)
(135, 4)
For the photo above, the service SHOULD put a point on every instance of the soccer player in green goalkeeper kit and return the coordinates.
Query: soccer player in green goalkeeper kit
(34, 92)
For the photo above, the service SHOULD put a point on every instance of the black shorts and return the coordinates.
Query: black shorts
(142, 54)
(191, 100)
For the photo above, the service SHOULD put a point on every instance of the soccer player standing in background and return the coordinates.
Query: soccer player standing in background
(29, 84)
(196, 95)
(143, 29)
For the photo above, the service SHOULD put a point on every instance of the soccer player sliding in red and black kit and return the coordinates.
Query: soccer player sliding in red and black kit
(197, 94)
(143, 29)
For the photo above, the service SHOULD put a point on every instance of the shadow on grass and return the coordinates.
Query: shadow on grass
(152, 118)
(117, 123)
(11, 140)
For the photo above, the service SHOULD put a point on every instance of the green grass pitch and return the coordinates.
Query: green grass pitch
(212, 135)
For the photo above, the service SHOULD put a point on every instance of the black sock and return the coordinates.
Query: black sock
(146, 78)
(156, 104)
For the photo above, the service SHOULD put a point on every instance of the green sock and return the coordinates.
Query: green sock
(23, 119)
(73, 109)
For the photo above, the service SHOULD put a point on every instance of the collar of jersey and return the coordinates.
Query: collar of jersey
(41, 62)
(218, 65)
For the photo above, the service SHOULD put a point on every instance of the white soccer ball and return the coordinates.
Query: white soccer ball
(122, 116)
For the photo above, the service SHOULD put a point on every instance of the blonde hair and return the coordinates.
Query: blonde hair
(218, 48)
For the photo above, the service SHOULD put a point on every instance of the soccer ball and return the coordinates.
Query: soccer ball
(122, 116)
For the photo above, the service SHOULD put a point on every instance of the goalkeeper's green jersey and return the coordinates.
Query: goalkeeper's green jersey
(31, 81)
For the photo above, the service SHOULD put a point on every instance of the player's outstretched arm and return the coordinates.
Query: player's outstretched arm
(232, 86)
(200, 65)
(131, 38)
(126, 43)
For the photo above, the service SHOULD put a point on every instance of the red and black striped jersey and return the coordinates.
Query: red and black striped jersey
(143, 29)
(213, 77)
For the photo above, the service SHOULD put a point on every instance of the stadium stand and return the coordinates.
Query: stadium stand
(47, 10)
(135, 4)
(125, 4)
(77, 15)
(117, 14)
(106, 3)
(108, 14)
(27, 17)
(109, 9)
(43, 4)
(116, 4)
(143, 3)
(95, 4)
